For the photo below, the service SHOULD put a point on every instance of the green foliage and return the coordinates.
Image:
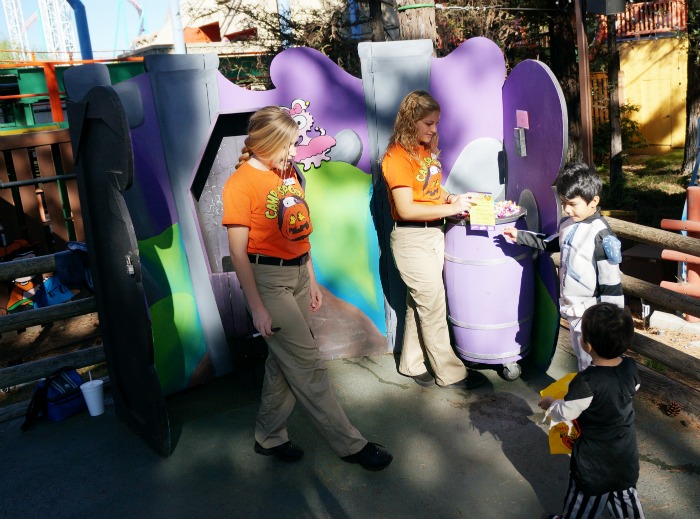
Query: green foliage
(654, 364)
(327, 29)
(632, 136)
(5, 53)
(470, 18)
(653, 187)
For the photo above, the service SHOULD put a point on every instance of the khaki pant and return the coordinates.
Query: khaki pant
(419, 254)
(294, 370)
(584, 359)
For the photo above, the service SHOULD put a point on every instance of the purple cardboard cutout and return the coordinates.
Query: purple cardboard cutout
(308, 75)
(532, 87)
(151, 191)
(468, 85)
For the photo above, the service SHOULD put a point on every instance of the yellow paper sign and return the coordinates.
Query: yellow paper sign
(481, 215)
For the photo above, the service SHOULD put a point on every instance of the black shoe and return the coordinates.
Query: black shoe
(425, 379)
(474, 380)
(285, 452)
(371, 457)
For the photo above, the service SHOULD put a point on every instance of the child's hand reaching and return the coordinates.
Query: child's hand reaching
(546, 402)
(511, 233)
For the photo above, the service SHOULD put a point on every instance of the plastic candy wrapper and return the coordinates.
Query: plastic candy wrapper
(506, 209)
(562, 435)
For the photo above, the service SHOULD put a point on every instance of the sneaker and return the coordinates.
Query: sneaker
(473, 381)
(285, 452)
(371, 457)
(424, 380)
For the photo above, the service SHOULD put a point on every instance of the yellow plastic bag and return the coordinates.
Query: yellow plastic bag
(558, 389)
(561, 437)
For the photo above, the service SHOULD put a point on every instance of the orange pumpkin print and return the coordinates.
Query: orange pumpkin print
(293, 218)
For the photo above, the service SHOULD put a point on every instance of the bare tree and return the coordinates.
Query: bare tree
(327, 29)
(470, 18)
(692, 100)
(376, 20)
(614, 111)
(563, 61)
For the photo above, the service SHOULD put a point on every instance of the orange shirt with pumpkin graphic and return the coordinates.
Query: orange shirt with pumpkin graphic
(423, 176)
(273, 208)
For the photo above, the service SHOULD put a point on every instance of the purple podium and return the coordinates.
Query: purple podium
(490, 289)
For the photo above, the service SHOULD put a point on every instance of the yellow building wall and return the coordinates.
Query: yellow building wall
(655, 73)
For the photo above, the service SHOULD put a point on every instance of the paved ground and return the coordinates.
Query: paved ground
(456, 455)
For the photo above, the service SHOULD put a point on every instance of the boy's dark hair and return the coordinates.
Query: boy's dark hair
(579, 179)
(608, 329)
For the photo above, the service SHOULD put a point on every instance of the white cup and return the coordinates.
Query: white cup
(94, 397)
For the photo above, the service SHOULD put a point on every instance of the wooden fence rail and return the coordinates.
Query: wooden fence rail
(38, 194)
(666, 299)
(32, 371)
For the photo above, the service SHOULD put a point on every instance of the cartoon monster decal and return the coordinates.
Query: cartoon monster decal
(310, 150)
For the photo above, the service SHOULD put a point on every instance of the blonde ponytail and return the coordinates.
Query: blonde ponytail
(270, 132)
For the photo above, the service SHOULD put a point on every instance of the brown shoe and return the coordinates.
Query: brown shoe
(285, 452)
(424, 380)
(371, 457)
(474, 380)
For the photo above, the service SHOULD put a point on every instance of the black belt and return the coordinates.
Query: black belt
(434, 223)
(271, 260)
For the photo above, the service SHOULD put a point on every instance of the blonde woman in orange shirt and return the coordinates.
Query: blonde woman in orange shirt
(269, 225)
(419, 204)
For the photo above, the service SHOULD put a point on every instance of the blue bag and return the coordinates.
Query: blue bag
(56, 398)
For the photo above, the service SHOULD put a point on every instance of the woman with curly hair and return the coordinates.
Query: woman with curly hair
(419, 205)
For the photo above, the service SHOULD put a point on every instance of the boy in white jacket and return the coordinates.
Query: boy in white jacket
(589, 271)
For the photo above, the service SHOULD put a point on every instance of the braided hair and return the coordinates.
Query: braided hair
(270, 130)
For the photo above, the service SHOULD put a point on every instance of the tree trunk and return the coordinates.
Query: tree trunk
(376, 21)
(416, 23)
(562, 28)
(614, 110)
(692, 100)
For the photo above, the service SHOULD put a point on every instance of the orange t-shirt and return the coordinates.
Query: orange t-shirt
(274, 209)
(400, 169)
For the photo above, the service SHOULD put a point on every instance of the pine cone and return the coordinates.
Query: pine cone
(673, 408)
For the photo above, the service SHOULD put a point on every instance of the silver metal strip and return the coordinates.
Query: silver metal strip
(465, 261)
(499, 326)
(494, 356)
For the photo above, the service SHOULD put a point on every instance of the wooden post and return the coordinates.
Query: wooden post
(584, 85)
(416, 20)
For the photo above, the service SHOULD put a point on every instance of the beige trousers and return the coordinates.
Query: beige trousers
(419, 254)
(584, 359)
(294, 370)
